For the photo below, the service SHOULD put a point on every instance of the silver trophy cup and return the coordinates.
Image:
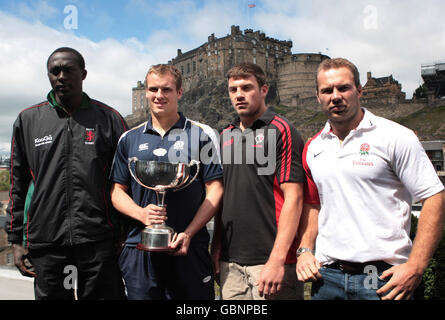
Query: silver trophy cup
(160, 177)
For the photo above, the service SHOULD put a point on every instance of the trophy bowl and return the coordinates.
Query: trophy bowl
(160, 177)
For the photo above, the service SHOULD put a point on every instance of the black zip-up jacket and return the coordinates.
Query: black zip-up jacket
(68, 158)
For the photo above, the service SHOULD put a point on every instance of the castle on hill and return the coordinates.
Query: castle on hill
(291, 76)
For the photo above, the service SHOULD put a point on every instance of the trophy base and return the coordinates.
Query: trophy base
(141, 247)
(156, 238)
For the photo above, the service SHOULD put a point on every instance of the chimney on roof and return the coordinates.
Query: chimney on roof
(369, 75)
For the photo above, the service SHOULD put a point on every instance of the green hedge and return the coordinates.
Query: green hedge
(4, 180)
(433, 282)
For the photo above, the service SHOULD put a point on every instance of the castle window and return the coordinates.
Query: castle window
(254, 60)
(216, 51)
(194, 66)
(182, 69)
(230, 51)
(188, 68)
(254, 51)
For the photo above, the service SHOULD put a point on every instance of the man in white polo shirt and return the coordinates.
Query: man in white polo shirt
(363, 172)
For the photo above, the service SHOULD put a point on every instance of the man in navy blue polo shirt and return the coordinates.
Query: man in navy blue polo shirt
(169, 137)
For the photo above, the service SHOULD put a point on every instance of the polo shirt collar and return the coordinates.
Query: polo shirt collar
(180, 124)
(52, 100)
(368, 122)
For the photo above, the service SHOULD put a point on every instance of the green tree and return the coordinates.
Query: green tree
(433, 282)
(4, 180)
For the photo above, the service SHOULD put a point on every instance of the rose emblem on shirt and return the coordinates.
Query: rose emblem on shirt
(364, 149)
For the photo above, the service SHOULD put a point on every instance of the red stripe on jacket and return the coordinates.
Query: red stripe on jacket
(286, 158)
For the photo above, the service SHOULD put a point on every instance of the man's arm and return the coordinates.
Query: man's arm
(215, 248)
(307, 265)
(272, 273)
(149, 215)
(210, 205)
(20, 178)
(406, 277)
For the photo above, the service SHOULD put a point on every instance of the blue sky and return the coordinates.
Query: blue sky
(121, 39)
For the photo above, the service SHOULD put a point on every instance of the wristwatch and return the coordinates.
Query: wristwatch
(300, 251)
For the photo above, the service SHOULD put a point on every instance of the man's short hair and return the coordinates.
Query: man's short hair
(337, 63)
(162, 69)
(79, 57)
(245, 70)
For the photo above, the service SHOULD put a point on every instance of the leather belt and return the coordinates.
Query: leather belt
(358, 268)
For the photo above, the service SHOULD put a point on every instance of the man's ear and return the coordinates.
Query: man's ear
(264, 90)
(84, 74)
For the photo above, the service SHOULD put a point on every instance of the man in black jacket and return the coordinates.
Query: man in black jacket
(64, 147)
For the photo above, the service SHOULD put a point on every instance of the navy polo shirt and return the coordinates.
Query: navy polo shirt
(185, 141)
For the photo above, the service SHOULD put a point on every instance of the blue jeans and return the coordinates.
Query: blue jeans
(337, 285)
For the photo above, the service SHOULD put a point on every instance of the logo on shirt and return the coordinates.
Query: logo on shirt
(42, 141)
(89, 135)
(259, 139)
(143, 147)
(160, 152)
(364, 149)
(318, 153)
(179, 145)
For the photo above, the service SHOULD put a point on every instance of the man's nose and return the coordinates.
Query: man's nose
(239, 94)
(61, 75)
(336, 95)
(159, 93)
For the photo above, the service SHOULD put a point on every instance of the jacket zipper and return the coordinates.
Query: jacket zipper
(69, 142)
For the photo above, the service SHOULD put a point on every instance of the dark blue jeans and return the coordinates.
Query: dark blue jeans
(337, 285)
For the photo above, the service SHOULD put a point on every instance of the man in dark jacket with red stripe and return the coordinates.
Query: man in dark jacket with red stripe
(64, 147)
(254, 248)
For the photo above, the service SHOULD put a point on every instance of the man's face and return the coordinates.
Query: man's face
(162, 94)
(338, 95)
(246, 96)
(65, 75)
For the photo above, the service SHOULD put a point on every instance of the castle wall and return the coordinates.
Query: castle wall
(296, 77)
(218, 55)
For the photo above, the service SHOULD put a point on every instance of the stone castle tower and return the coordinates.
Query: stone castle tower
(292, 74)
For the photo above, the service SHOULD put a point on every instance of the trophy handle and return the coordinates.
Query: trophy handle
(134, 159)
(192, 163)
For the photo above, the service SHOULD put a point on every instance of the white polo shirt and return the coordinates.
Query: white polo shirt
(365, 187)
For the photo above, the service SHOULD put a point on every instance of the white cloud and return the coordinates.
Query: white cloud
(113, 67)
(408, 33)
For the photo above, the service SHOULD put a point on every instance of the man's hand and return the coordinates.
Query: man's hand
(271, 277)
(404, 280)
(21, 261)
(152, 214)
(180, 243)
(308, 268)
(215, 254)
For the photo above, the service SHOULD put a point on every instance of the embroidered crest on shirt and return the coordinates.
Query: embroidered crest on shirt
(89, 136)
(364, 149)
(259, 139)
(363, 161)
(143, 147)
(160, 152)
